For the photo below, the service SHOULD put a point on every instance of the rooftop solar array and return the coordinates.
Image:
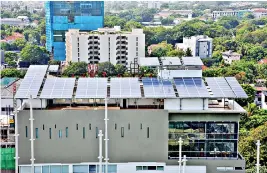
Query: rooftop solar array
(170, 61)
(238, 90)
(150, 61)
(153, 88)
(220, 88)
(192, 61)
(91, 88)
(125, 88)
(53, 68)
(191, 87)
(58, 88)
(32, 81)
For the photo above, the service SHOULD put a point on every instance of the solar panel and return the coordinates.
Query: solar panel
(220, 87)
(192, 61)
(91, 88)
(170, 61)
(238, 90)
(32, 82)
(125, 88)
(150, 61)
(191, 88)
(153, 88)
(61, 88)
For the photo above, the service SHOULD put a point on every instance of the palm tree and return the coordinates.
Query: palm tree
(251, 108)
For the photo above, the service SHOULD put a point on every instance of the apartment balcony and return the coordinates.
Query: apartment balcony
(122, 38)
(122, 42)
(91, 43)
(122, 58)
(122, 48)
(92, 58)
(93, 38)
(93, 48)
(121, 53)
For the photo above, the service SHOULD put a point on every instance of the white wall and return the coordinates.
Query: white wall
(194, 104)
(172, 104)
(36, 103)
(169, 74)
(263, 101)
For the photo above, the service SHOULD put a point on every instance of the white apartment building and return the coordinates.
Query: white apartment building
(201, 45)
(217, 14)
(106, 44)
(259, 13)
(230, 56)
(154, 4)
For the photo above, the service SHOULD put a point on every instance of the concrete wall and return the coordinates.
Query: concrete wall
(170, 74)
(133, 147)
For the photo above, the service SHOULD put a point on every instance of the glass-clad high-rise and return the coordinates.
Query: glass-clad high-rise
(64, 15)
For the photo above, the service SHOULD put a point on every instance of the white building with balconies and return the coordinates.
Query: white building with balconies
(106, 44)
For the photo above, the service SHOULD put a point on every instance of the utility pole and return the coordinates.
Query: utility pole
(32, 139)
(180, 153)
(100, 157)
(258, 156)
(106, 135)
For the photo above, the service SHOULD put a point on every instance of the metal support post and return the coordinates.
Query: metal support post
(16, 140)
(100, 157)
(258, 156)
(32, 139)
(106, 135)
(180, 153)
(184, 163)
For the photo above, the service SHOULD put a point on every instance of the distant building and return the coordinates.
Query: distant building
(230, 56)
(261, 97)
(263, 61)
(201, 46)
(259, 12)
(20, 21)
(13, 37)
(154, 4)
(105, 45)
(235, 13)
(64, 15)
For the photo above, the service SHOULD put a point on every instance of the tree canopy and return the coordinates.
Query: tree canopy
(34, 54)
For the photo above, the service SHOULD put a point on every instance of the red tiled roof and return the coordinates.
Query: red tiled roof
(260, 10)
(204, 67)
(261, 88)
(14, 36)
(263, 61)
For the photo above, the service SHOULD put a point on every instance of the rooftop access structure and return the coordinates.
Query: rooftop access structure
(146, 118)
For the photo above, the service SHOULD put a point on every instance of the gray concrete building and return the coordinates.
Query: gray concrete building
(146, 118)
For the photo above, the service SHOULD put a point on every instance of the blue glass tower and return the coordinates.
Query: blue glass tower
(64, 15)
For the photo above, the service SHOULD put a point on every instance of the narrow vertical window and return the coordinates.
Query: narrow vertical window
(77, 127)
(55, 126)
(50, 133)
(67, 132)
(60, 134)
(129, 126)
(96, 132)
(115, 126)
(26, 131)
(43, 127)
(141, 127)
(122, 132)
(83, 132)
(36, 133)
(90, 127)
(148, 132)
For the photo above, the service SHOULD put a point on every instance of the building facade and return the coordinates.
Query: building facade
(201, 46)
(230, 56)
(105, 45)
(64, 15)
(235, 13)
(259, 13)
(146, 119)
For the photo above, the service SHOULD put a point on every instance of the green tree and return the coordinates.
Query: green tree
(20, 43)
(11, 58)
(188, 52)
(5, 46)
(106, 67)
(111, 21)
(54, 62)
(131, 25)
(12, 72)
(76, 68)
(34, 54)
(120, 69)
(176, 53)
(256, 53)
(43, 40)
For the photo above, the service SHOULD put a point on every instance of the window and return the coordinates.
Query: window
(50, 133)
(115, 126)
(136, 38)
(122, 132)
(225, 168)
(136, 43)
(60, 134)
(90, 127)
(36, 133)
(67, 132)
(129, 126)
(160, 168)
(78, 59)
(141, 126)
(139, 168)
(78, 46)
(96, 132)
(77, 127)
(152, 168)
(43, 127)
(78, 49)
(148, 132)
(55, 126)
(26, 131)
(83, 132)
